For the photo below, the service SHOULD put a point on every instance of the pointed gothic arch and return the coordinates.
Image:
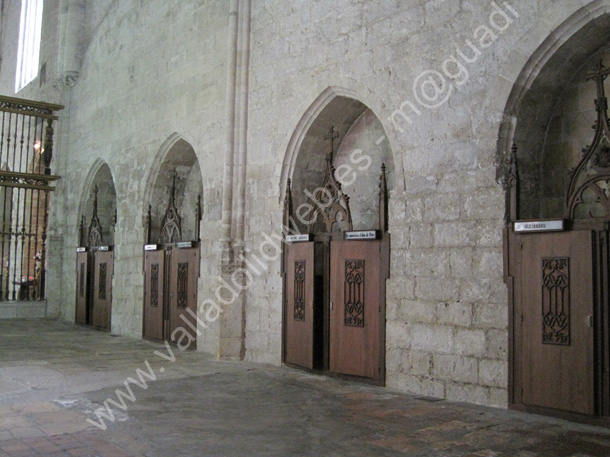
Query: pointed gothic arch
(558, 174)
(175, 167)
(362, 146)
(535, 98)
(172, 242)
(103, 201)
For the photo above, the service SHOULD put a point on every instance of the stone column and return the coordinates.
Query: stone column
(232, 323)
(71, 24)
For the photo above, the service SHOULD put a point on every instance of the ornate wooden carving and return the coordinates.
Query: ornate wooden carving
(81, 280)
(289, 224)
(154, 284)
(148, 226)
(182, 289)
(94, 237)
(198, 217)
(354, 293)
(556, 301)
(102, 284)
(299, 290)
(171, 229)
(588, 194)
(332, 212)
(383, 201)
(81, 232)
(511, 186)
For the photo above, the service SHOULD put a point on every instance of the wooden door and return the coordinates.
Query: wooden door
(102, 289)
(299, 316)
(82, 285)
(556, 296)
(356, 304)
(154, 278)
(182, 296)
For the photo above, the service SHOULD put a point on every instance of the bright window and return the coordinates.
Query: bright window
(29, 43)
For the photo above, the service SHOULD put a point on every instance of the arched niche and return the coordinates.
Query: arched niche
(360, 148)
(551, 111)
(178, 170)
(101, 192)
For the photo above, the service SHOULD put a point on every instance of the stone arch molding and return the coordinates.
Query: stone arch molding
(176, 154)
(305, 123)
(158, 162)
(101, 176)
(505, 100)
(532, 93)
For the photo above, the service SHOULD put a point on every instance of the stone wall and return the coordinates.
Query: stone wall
(154, 73)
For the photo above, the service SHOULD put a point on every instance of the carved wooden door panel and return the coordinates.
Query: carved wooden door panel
(102, 289)
(182, 296)
(557, 335)
(82, 286)
(298, 307)
(356, 301)
(154, 274)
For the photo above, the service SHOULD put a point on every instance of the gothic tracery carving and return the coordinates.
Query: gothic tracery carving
(588, 194)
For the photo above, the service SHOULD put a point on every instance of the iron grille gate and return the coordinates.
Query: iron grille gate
(26, 149)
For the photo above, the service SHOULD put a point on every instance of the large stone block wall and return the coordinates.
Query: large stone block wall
(137, 91)
(155, 71)
(447, 312)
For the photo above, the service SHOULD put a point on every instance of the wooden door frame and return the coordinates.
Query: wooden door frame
(168, 250)
(601, 310)
(324, 242)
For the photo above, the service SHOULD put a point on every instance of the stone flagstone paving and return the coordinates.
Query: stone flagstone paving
(54, 375)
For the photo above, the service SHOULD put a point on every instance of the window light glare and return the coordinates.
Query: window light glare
(28, 53)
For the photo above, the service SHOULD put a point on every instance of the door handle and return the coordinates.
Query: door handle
(332, 306)
(589, 321)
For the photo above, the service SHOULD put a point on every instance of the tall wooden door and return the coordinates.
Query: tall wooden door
(299, 310)
(556, 351)
(154, 278)
(184, 271)
(82, 293)
(102, 289)
(356, 305)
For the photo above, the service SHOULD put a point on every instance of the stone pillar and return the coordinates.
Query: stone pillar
(71, 23)
(232, 323)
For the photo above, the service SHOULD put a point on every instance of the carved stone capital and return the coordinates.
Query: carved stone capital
(67, 79)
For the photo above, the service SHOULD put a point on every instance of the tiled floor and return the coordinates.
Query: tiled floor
(54, 376)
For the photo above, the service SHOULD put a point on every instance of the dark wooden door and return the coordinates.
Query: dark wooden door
(102, 289)
(154, 278)
(356, 305)
(299, 316)
(182, 295)
(556, 353)
(82, 284)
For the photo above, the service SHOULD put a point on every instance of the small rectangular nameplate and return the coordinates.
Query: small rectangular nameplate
(184, 244)
(150, 247)
(298, 238)
(81, 249)
(362, 235)
(103, 248)
(539, 226)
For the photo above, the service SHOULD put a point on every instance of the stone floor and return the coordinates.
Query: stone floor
(54, 376)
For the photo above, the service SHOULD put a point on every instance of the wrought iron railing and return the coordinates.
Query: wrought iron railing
(26, 150)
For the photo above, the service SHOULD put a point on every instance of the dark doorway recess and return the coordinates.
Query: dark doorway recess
(557, 275)
(94, 268)
(334, 283)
